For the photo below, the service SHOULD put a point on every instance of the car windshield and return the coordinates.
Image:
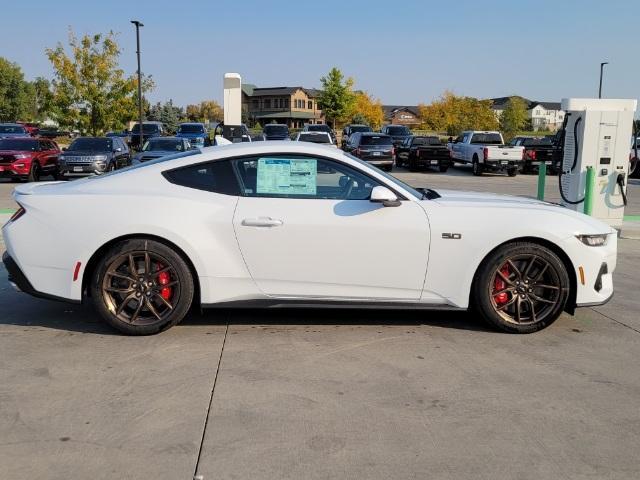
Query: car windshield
(427, 141)
(360, 128)
(163, 145)
(530, 142)
(400, 130)
(146, 128)
(12, 129)
(98, 144)
(19, 144)
(276, 129)
(318, 128)
(314, 137)
(391, 178)
(486, 139)
(135, 166)
(191, 129)
(375, 140)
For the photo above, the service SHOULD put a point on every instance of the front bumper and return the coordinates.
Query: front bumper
(71, 169)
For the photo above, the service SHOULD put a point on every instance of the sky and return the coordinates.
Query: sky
(403, 52)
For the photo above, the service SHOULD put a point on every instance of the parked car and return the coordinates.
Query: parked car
(32, 128)
(50, 132)
(397, 132)
(276, 131)
(634, 161)
(350, 130)
(315, 137)
(161, 147)
(321, 127)
(196, 133)
(242, 226)
(374, 148)
(13, 130)
(125, 135)
(486, 152)
(23, 158)
(422, 152)
(93, 156)
(536, 151)
(149, 130)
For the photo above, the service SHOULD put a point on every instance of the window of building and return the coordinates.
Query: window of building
(286, 103)
(254, 103)
(310, 105)
(267, 103)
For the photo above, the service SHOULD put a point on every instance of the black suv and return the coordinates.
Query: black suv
(93, 156)
(276, 131)
(149, 130)
(399, 133)
(375, 148)
(351, 129)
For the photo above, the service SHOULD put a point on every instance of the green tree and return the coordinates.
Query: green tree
(16, 94)
(207, 110)
(42, 98)
(90, 91)
(453, 114)
(514, 117)
(336, 98)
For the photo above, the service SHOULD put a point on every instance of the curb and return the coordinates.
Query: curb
(629, 230)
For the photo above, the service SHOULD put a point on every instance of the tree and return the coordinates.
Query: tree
(16, 94)
(514, 117)
(207, 110)
(90, 91)
(43, 98)
(366, 108)
(336, 98)
(453, 114)
(166, 113)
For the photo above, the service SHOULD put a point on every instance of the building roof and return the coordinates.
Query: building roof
(253, 91)
(547, 105)
(248, 88)
(500, 103)
(391, 109)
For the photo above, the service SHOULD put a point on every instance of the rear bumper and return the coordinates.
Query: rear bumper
(501, 164)
(433, 162)
(21, 283)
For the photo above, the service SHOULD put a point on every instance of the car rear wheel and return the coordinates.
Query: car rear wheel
(634, 168)
(142, 287)
(476, 167)
(443, 168)
(34, 172)
(521, 288)
(512, 172)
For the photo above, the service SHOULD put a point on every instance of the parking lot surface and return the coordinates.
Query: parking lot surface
(325, 394)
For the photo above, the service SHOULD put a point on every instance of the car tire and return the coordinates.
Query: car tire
(634, 168)
(112, 167)
(413, 165)
(398, 162)
(130, 292)
(512, 172)
(34, 172)
(476, 168)
(521, 287)
(443, 168)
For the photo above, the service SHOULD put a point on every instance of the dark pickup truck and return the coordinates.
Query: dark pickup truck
(536, 151)
(423, 152)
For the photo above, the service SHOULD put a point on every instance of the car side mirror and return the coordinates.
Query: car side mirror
(64, 149)
(384, 196)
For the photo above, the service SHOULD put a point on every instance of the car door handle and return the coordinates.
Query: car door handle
(261, 222)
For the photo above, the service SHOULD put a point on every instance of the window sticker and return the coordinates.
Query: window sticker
(287, 176)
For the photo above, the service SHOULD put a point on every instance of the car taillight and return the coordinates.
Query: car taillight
(532, 154)
(357, 152)
(393, 151)
(17, 214)
(485, 152)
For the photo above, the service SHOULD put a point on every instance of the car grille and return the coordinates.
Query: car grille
(79, 159)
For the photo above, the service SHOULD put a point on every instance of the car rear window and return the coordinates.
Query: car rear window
(12, 129)
(191, 129)
(146, 128)
(19, 144)
(531, 142)
(314, 138)
(427, 141)
(216, 176)
(375, 140)
(318, 128)
(486, 138)
(401, 130)
(276, 129)
(360, 128)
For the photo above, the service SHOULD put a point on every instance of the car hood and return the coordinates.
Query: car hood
(191, 135)
(481, 200)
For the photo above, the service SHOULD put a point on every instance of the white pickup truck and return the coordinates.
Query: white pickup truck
(486, 152)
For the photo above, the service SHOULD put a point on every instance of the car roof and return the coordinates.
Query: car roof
(9, 124)
(192, 123)
(373, 134)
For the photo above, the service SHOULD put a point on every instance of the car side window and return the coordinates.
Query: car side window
(301, 177)
(216, 177)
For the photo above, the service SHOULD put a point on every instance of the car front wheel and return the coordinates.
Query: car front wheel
(521, 287)
(142, 287)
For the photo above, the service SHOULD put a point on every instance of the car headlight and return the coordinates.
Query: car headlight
(20, 155)
(100, 158)
(593, 240)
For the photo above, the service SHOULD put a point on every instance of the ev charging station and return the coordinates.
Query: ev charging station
(232, 128)
(596, 145)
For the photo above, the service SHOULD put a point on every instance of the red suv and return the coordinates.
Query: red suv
(28, 158)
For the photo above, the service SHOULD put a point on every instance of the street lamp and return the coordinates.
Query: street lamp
(140, 116)
(601, 69)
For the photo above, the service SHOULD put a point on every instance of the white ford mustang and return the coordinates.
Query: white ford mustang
(284, 224)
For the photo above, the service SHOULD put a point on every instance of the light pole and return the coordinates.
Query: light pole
(140, 116)
(601, 69)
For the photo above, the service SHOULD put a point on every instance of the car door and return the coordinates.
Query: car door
(306, 229)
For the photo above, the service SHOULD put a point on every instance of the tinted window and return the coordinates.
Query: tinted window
(163, 145)
(146, 128)
(375, 140)
(276, 129)
(530, 142)
(302, 177)
(486, 138)
(99, 144)
(18, 144)
(318, 128)
(191, 129)
(12, 129)
(314, 138)
(426, 141)
(398, 130)
(217, 177)
(360, 128)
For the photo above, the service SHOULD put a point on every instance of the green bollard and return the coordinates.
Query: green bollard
(588, 190)
(542, 178)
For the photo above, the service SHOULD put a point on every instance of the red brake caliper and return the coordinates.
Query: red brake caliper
(500, 284)
(163, 279)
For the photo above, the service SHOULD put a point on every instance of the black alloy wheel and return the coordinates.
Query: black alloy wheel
(521, 288)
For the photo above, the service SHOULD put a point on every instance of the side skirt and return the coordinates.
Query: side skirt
(330, 304)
